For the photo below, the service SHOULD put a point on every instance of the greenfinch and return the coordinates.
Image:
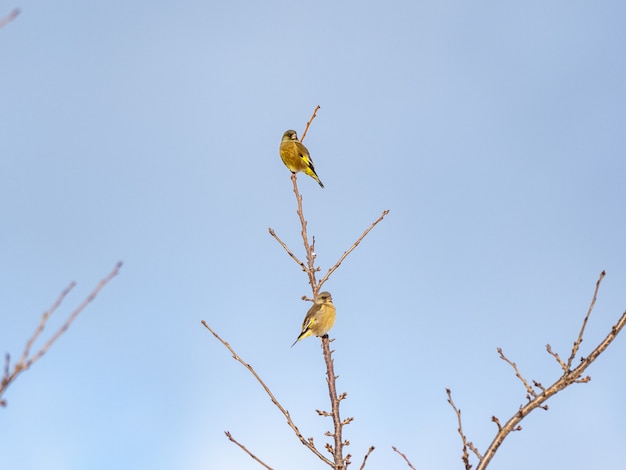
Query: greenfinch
(320, 318)
(296, 157)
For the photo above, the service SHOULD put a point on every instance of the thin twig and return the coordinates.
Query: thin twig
(43, 321)
(289, 252)
(309, 248)
(27, 360)
(369, 451)
(558, 358)
(529, 389)
(309, 123)
(307, 443)
(466, 444)
(404, 457)
(351, 249)
(340, 463)
(232, 439)
(568, 378)
(584, 325)
(10, 17)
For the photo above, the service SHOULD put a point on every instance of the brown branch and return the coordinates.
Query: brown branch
(10, 17)
(568, 378)
(42, 323)
(232, 439)
(289, 252)
(337, 450)
(351, 249)
(403, 456)
(369, 451)
(27, 360)
(584, 325)
(309, 123)
(466, 444)
(308, 443)
(558, 358)
(529, 389)
(309, 248)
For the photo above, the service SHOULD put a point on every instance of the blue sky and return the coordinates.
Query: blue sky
(148, 132)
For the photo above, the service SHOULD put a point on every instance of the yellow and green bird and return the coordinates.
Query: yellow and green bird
(320, 318)
(296, 157)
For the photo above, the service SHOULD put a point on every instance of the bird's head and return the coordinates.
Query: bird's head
(323, 298)
(290, 135)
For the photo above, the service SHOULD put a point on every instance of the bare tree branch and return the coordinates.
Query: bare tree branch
(351, 249)
(529, 389)
(538, 399)
(369, 451)
(284, 245)
(337, 449)
(308, 443)
(232, 439)
(408, 462)
(584, 325)
(306, 129)
(466, 445)
(10, 17)
(27, 360)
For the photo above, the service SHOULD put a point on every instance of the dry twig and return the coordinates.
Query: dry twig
(232, 439)
(529, 389)
(306, 129)
(538, 399)
(579, 340)
(354, 245)
(337, 450)
(466, 444)
(27, 359)
(10, 17)
(308, 443)
(408, 462)
(369, 451)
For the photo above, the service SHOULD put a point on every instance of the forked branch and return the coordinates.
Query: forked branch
(27, 359)
(306, 442)
(538, 395)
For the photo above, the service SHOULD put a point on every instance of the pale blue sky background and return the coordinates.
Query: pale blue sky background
(148, 132)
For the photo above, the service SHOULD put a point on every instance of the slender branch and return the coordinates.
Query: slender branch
(308, 443)
(466, 444)
(408, 462)
(569, 377)
(232, 439)
(351, 249)
(309, 248)
(317, 108)
(369, 451)
(10, 17)
(529, 389)
(337, 450)
(289, 252)
(26, 360)
(584, 325)
(43, 321)
(558, 358)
